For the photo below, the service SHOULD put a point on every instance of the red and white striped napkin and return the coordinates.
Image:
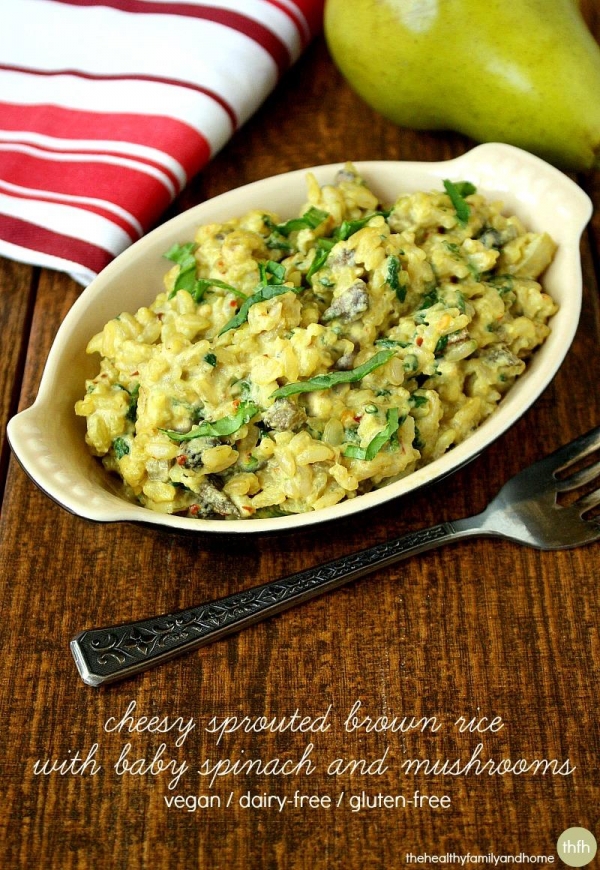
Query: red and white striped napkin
(109, 107)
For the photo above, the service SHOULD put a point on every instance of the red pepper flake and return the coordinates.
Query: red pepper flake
(233, 303)
(419, 340)
(181, 459)
(236, 403)
(358, 418)
(194, 510)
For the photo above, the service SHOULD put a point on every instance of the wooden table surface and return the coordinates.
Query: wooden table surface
(484, 630)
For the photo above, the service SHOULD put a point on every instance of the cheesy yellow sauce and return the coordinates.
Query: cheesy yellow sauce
(287, 366)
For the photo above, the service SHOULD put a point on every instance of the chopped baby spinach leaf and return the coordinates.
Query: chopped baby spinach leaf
(348, 228)
(309, 220)
(325, 382)
(429, 299)
(457, 192)
(269, 513)
(375, 444)
(418, 442)
(351, 435)
(277, 243)
(452, 247)
(411, 363)
(244, 388)
(133, 402)
(120, 447)
(204, 284)
(211, 359)
(251, 464)
(265, 291)
(475, 273)
(465, 188)
(441, 345)
(196, 412)
(341, 234)
(183, 256)
(219, 428)
(322, 250)
(392, 277)
(503, 283)
(201, 285)
(271, 272)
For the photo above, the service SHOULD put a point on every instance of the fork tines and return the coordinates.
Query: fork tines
(576, 453)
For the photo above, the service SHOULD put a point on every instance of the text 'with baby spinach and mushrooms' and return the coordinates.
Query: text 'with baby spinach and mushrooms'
(289, 365)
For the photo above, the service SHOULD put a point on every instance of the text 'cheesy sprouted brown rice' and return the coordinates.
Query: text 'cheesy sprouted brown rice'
(290, 365)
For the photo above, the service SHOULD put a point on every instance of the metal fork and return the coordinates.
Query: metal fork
(525, 510)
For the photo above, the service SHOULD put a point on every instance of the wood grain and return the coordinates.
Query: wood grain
(480, 629)
(18, 283)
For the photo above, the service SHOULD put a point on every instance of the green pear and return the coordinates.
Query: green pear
(525, 72)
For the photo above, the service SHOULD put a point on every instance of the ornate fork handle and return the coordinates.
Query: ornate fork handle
(104, 655)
